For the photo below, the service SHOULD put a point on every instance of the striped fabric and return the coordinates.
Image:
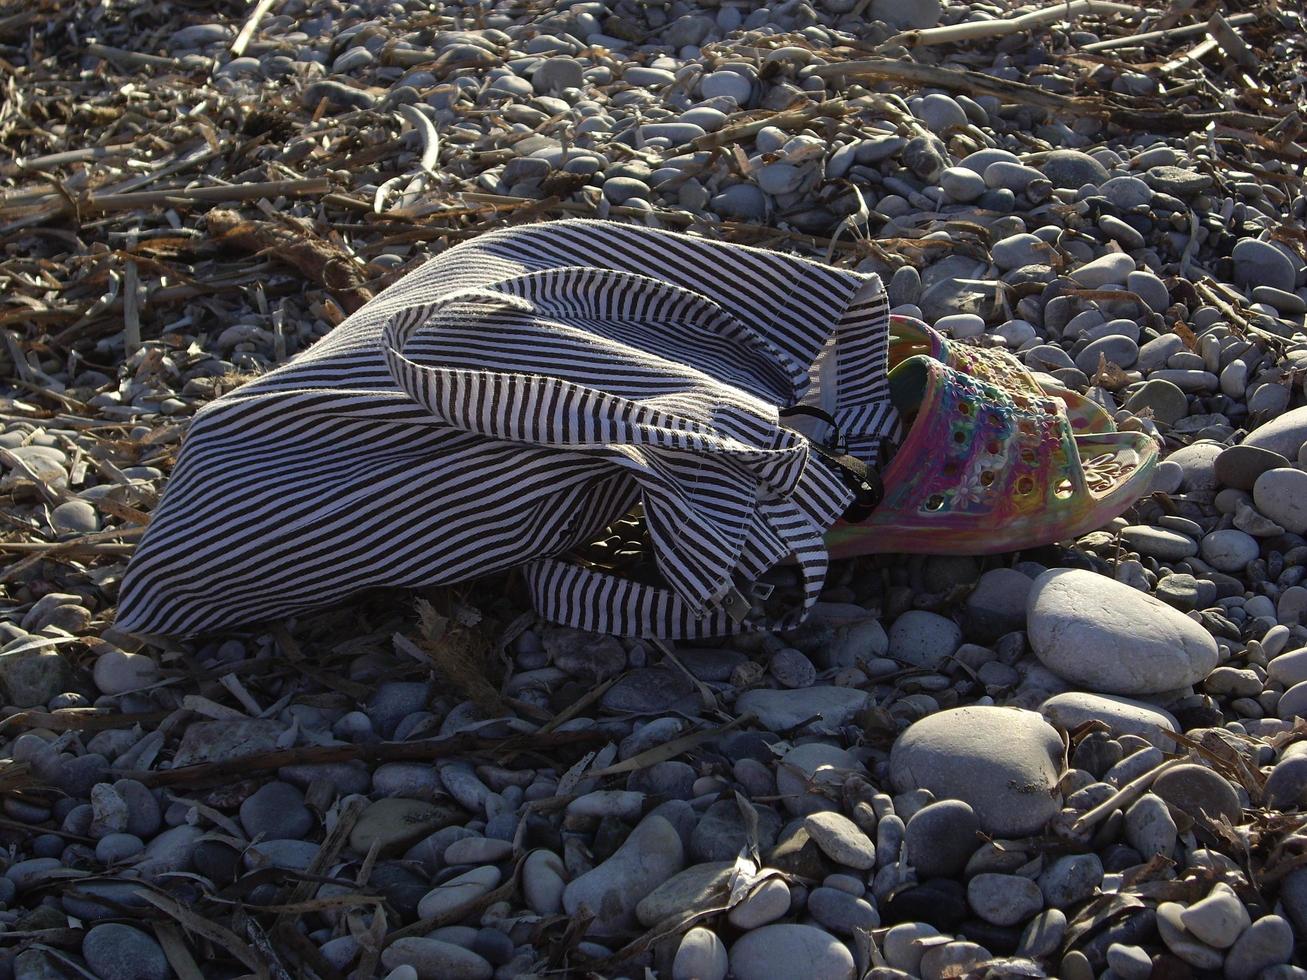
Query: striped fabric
(503, 404)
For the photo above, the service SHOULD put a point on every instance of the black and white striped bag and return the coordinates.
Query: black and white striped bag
(505, 403)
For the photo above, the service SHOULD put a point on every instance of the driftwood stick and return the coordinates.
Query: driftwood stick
(972, 30)
(320, 260)
(176, 197)
(377, 752)
(1134, 112)
(1192, 56)
(251, 25)
(788, 119)
(134, 59)
(1170, 34)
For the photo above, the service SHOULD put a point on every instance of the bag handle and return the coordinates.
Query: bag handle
(598, 601)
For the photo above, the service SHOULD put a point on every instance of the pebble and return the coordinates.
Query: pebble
(1004, 900)
(1230, 550)
(117, 672)
(544, 878)
(1110, 638)
(1217, 920)
(455, 897)
(75, 517)
(1281, 495)
(1149, 828)
(432, 959)
(1196, 789)
(276, 810)
(797, 952)
(1284, 435)
(903, 947)
(1072, 169)
(766, 903)
(1156, 542)
(1129, 962)
(1112, 268)
(1070, 879)
(700, 956)
(841, 840)
(695, 887)
(819, 706)
(119, 952)
(1122, 716)
(842, 913)
(1240, 466)
(1170, 925)
(394, 824)
(1003, 762)
(1258, 263)
(31, 678)
(923, 639)
(1043, 935)
(649, 856)
(1265, 943)
(940, 837)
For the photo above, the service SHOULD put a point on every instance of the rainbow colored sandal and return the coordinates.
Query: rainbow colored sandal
(983, 470)
(910, 336)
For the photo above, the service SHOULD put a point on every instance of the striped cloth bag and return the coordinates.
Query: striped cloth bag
(506, 402)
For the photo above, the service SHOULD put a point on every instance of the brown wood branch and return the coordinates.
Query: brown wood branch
(320, 260)
(1120, 110)
(375, 753)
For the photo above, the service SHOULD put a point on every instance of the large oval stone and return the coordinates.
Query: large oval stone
(1103, 635)
(796, 952)
(1284, 435)
(612, 890)
(1004, 762)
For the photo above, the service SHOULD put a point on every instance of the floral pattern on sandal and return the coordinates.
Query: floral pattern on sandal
(992, 365)
(984, 470)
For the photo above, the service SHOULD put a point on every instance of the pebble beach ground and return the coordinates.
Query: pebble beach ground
(1084, 760)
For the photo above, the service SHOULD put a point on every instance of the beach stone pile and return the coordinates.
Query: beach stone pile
(1083, 760)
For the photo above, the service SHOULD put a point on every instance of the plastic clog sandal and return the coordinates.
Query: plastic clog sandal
(910, 336)
(983, 470)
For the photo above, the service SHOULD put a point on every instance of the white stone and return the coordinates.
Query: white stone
(778, 711)
(1219, 919)
(117, 671)
(1005, 762)
(701, 956)
(1111, 268)
(1004, 900)
(649, 856)
(902, 945)
(1281, 495)
(458, 894)
(923, 639)
(766, 903)
(1122, 715)
(1284, 435)
(795, 952)
(1105, 636)
(544, 877)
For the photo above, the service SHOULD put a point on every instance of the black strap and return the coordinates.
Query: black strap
(865, 482)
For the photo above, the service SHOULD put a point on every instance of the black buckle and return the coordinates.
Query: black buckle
(865, 482)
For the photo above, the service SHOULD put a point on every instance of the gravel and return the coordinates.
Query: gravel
(931, 759)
